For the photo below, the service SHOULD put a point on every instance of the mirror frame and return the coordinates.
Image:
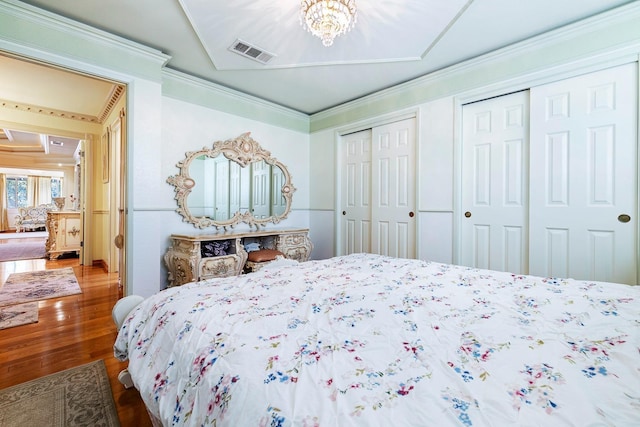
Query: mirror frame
(242, 150)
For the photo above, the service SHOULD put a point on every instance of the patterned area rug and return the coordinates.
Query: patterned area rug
(79, 396)
(24, 235)
(17, 249)
(38, 285)
(19, 314)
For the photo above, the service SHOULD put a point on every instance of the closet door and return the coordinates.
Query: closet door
(378, 191)
(584, 191)
(495, 160)
(393, 196)
(356, 193)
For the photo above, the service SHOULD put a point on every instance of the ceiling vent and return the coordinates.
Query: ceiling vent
(57, 143)
(252, 52)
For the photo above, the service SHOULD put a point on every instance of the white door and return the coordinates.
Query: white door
(378, 191)
(235, 187)
(356, 193)
(112, 165)
(81, 190)
(278, 202)
(221, 193)
(120, 172)
(584, 177)
(494, 190)
(393, 230)
(260, 200)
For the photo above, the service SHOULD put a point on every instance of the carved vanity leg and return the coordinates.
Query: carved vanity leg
(295, 246)
(181, 260)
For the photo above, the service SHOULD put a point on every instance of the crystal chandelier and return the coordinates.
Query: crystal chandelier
(328, 18)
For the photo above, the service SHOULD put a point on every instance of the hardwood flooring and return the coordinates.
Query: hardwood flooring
(71, 331)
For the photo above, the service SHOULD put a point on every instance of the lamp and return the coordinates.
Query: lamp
(328, 18)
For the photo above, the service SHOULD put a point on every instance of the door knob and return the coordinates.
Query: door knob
(344, 212)
(467, 214)
(411, 214)
(624, 218)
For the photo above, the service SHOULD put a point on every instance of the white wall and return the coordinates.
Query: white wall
(189, 127)
(322, 175)
(164, 130)
(436, 180)
(145, 228)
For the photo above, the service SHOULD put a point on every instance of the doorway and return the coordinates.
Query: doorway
(94, 107)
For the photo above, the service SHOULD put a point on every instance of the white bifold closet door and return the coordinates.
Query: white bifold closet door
(583, 147)
(356, 193)
(378, 190)
(557, 194)
(495, 183)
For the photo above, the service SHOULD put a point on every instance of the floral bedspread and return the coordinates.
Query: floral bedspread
(370, 340)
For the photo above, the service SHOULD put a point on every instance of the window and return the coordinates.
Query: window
(16, 192)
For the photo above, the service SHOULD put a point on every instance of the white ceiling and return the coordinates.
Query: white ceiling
(36, 150)
(393, 41)
(58, 149)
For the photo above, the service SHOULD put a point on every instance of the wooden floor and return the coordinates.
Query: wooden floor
(71, 331)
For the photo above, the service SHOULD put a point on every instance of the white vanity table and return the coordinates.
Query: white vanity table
(188, 260)
(65, 233)
(236, 181)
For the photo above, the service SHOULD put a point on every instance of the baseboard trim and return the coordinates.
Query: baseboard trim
(101, 263)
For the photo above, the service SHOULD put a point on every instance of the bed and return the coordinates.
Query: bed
(371, 340)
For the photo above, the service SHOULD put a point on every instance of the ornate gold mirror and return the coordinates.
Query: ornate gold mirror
(236, 181)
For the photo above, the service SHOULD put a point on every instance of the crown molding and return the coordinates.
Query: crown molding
(28, 108)
(29, 31)
(185, 87)
(116, 93)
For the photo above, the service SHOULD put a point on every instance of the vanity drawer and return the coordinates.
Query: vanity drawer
(221, 266)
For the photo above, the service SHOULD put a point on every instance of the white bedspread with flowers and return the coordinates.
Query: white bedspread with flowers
(369, 340)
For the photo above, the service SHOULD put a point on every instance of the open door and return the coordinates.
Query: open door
(118, 202)
(80, 189)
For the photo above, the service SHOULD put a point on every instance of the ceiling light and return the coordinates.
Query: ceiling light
(328, 18)
(58, 143)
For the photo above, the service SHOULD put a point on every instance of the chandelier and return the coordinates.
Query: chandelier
(328, 18)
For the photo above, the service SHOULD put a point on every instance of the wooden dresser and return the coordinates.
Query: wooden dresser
(65, 233)
(193, 257)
